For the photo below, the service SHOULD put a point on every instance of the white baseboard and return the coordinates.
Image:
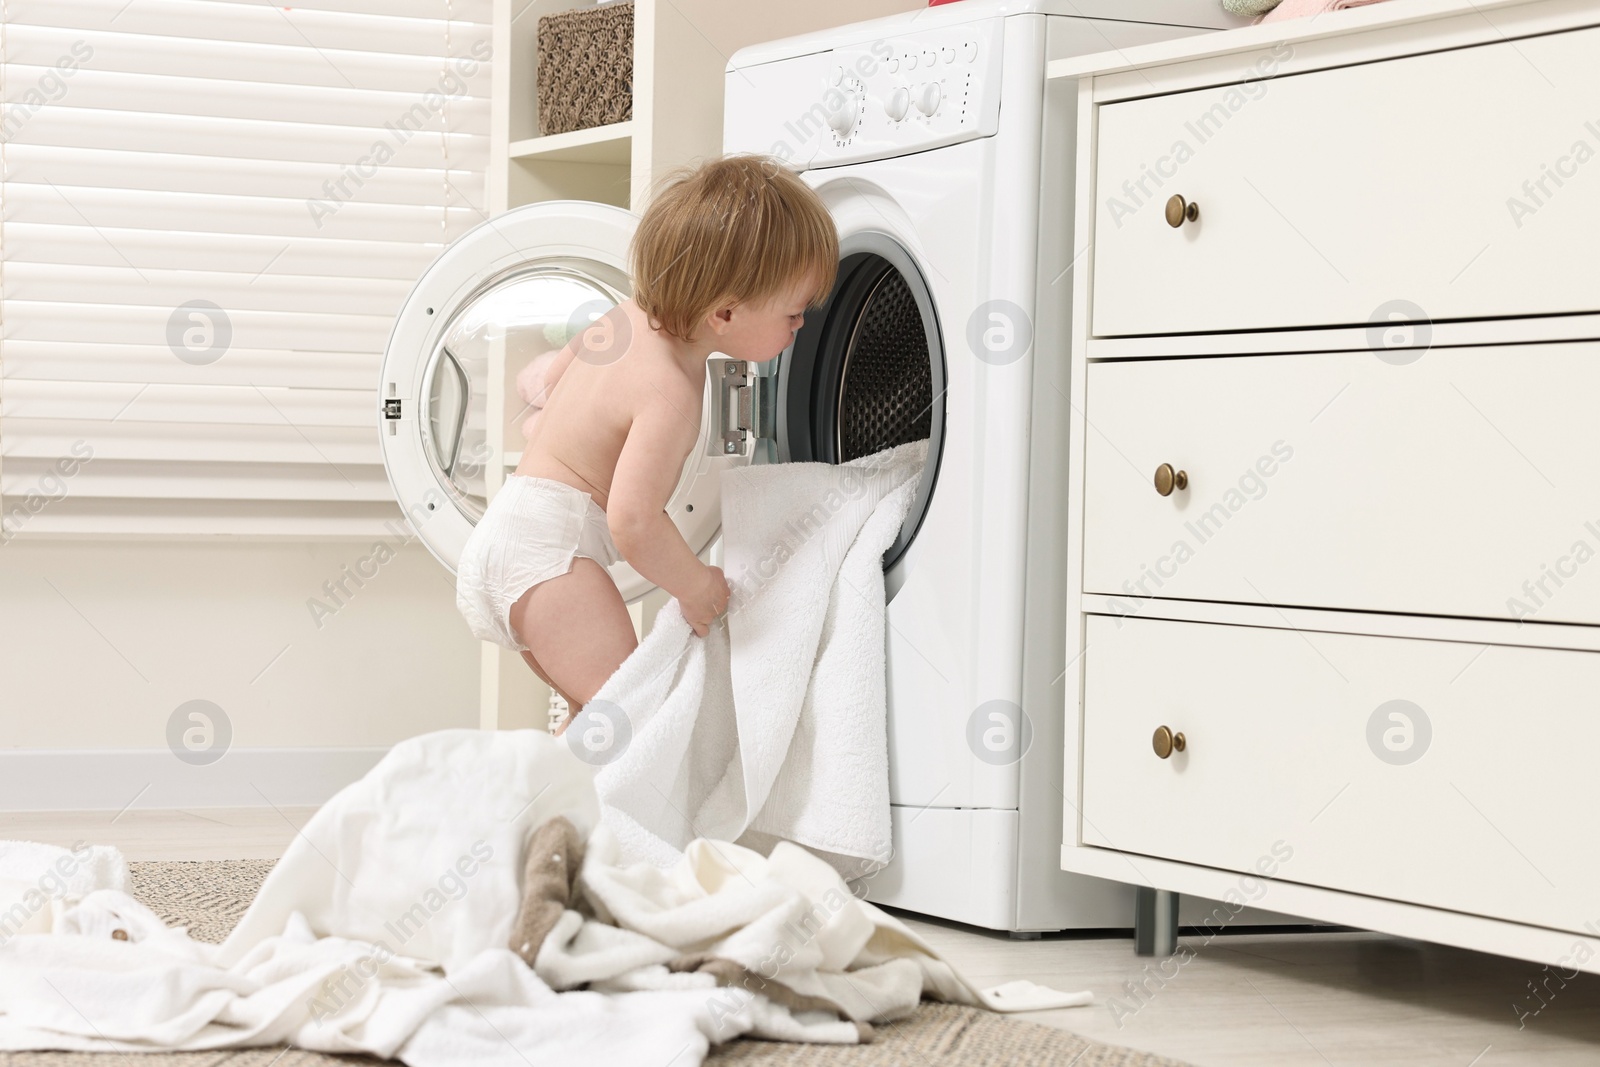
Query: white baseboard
(114, 779)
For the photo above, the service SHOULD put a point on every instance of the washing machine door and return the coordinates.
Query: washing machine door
(511, 289)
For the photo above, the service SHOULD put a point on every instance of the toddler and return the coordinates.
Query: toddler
(727, 258)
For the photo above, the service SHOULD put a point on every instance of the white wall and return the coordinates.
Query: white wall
(101, 641)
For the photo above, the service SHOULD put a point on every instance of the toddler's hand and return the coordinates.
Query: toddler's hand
(701, 607)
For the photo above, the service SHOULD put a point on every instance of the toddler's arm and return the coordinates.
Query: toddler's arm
(647, 472)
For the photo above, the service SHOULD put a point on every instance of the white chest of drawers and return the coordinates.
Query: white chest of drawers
(1335, 368)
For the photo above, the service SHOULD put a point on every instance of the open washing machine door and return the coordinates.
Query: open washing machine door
(506, 292)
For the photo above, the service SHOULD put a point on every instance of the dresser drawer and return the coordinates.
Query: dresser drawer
(1430, 772)
(1338, 196)
(1462, 484)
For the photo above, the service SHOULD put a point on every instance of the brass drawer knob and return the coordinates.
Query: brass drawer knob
(1179, 209)
(1168, 479)
(1165, 742)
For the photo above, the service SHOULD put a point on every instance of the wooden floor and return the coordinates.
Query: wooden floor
(197, 834)
(1273, 1000)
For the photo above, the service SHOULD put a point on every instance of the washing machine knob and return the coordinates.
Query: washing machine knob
(928, 98)
(844, 119)
(899, 103)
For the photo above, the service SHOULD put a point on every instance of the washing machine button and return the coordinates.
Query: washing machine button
(928, 98)
(911, 61)
(844, 119)
(969, 51)
(899, 103)
(947, 54)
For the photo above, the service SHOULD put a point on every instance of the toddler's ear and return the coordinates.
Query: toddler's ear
(720, 319)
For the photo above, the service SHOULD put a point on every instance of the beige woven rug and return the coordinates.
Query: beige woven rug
(211, 896)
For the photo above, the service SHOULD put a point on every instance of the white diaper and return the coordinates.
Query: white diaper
(530, 533)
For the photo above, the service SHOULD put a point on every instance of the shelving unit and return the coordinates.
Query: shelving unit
(611, 144)
(680, 54)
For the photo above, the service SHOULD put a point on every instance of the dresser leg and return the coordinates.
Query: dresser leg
(1155, 922)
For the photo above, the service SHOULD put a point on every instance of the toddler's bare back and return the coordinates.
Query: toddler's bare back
(595, 396)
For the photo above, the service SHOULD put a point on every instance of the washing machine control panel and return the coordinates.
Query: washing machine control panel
(870, 100)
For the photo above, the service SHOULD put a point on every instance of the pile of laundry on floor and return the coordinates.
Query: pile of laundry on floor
(512, 897)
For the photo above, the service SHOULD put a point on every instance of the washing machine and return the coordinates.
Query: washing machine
(946, 161)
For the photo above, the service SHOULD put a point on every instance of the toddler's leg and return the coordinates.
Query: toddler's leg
(544, 676)
(579, 628)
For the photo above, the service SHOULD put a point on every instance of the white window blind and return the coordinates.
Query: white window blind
(210, 212)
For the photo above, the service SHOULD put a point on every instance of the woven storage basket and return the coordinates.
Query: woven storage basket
(585, 68)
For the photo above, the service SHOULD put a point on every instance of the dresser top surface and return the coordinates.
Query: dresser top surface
(1258, 38)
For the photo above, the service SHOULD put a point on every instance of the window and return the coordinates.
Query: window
(212, 210)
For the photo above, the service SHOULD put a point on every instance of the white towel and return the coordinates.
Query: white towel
(39, 882)
(772, 727)
(384, 930)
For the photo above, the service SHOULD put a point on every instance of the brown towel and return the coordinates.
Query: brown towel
(549, 884)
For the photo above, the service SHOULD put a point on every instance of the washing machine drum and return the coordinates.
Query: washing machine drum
(886, 383)
(867, 370)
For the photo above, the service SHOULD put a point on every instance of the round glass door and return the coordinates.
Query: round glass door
(503, 328)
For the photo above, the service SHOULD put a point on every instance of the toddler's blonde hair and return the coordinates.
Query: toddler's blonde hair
(739, 229)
